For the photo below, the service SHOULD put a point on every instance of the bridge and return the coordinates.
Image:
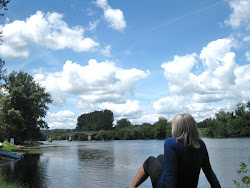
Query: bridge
(70, 134)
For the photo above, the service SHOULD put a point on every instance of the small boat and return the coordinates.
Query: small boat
(12, 155)
(1, 144)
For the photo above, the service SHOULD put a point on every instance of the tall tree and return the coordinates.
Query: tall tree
(97, 120)
(160, 128)
(11, 120)
(122, 123)
(31, 99)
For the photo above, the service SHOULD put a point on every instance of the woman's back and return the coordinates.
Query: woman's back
(182, 165)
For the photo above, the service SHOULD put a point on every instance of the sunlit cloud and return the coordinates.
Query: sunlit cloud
(47, 30)
(114, 17)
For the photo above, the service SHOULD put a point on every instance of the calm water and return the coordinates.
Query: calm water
(113, 163)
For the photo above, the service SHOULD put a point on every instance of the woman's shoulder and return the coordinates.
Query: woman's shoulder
(202, 143)
(170, 141)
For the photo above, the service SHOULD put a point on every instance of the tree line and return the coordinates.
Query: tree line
(225, 124)
(234, 123)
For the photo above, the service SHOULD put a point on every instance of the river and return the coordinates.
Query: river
(114, 163)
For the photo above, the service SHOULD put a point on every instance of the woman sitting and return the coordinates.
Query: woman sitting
(184, 155)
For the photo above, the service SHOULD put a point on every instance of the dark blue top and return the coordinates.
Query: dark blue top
(182, 165)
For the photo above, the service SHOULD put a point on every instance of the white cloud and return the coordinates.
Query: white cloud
(169, 105)
(114, 17)
(102, 4)
(47, 30)
(62, 120)
(219, 82)
(93, 83)
(172, 105)
(130, 109)
(218, 75)
(240, 16)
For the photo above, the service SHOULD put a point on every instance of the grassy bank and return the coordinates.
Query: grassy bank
(4, 184)
(8, 147)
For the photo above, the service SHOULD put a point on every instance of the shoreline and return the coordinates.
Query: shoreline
(5, 160)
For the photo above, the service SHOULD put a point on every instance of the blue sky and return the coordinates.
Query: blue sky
(140, 59)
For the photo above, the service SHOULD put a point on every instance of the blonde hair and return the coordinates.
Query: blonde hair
(184, 127)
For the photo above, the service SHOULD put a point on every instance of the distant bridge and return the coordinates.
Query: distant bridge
(70, 134)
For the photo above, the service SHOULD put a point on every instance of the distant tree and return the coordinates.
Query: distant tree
(97, 120)
(160, 128)
(168, 130)
(122, 123)
(136, 132)
(148, 131)
(31, 100)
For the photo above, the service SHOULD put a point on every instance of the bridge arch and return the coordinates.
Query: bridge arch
(70, 134)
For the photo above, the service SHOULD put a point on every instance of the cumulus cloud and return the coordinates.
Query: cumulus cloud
(219, 79)
(92, 84)
(130, 109)
(240, 16)
(62, 120)
(114, 17)
(47, 30)
(218, 76)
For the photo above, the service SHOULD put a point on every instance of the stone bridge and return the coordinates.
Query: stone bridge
(70, 134)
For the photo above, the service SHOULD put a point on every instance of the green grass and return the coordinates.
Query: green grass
(8, 147)
(4, 184)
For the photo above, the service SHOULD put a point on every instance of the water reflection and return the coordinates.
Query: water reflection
(30, 171)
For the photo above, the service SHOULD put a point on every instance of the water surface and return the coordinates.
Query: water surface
(114, 163)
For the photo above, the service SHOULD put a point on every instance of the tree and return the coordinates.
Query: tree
(95, 121)
(122, 123)
(31, 100)
(9, 119)
(160, 128)
(148, 131)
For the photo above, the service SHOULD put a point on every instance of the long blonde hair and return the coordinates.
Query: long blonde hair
(184, 127)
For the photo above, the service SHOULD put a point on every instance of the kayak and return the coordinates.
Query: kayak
(12, 155)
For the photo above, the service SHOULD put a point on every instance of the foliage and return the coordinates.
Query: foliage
(122, 123)
(148, 131)
(160, 128)
(243, 173)
(12, 122)
(233, 123)
(4, 184)
(95, 121)
(9, 147)
(105, 135)
(80, 137)
(31, 100)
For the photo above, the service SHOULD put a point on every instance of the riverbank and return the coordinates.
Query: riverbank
(4, 184)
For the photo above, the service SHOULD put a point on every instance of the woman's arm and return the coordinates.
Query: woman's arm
(170, 162)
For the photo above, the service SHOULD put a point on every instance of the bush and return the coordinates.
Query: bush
(8, 147)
